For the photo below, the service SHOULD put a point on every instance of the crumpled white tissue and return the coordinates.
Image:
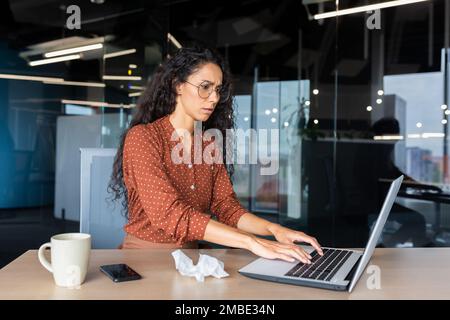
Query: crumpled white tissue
(206, 266)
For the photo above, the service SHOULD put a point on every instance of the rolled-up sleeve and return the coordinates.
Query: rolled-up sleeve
(225, 204)
(162, 202)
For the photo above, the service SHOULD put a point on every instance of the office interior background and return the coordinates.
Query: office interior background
(358, 100)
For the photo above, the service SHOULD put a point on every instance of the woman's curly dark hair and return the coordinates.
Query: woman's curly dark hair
(159, 100)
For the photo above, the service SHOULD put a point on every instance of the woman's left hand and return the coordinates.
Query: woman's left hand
(289, 236)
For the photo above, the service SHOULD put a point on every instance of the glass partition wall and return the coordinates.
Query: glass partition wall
(70, 75)
(356, 100)
(390, 119)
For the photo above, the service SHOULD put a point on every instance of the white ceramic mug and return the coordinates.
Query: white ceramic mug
(70, 253)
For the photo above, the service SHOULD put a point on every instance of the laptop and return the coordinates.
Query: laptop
(337, 269)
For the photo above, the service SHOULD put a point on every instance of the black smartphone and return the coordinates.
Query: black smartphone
(120, 272)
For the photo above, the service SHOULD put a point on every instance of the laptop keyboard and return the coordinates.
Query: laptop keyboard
(321, 267)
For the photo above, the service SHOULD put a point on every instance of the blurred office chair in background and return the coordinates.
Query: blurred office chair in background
(99, 215)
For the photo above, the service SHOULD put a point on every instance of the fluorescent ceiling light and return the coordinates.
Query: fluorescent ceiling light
(53, 60)
(370, 7)
(134, 94)
(73, 50)
(174, 41)
(78, 110)
(388, 137)
(77, 83)
(62, 43)
(136, 87)
(118, 53)
(97, 104)
(29, 78)
(106, 77)
(50, 80)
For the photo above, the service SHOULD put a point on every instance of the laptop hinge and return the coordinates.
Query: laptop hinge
(350, 275)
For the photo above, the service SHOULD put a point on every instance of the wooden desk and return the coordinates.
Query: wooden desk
(413, 273)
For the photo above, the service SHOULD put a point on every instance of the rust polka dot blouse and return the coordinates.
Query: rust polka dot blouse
(168, 202)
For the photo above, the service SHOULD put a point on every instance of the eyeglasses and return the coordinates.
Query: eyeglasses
(206, 88)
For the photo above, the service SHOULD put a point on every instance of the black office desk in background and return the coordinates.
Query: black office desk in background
(437, 199)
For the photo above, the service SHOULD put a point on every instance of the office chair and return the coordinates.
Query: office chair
(102, 218)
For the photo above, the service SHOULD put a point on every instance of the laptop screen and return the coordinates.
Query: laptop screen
(376, 232)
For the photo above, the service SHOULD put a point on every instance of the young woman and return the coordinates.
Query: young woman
(169, 204)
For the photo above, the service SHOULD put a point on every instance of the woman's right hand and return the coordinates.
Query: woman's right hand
(275, 250)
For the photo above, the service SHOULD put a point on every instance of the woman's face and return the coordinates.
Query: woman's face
(198, 96)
